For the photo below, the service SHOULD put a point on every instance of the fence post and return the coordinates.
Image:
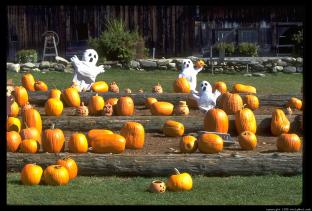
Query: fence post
(211, 62)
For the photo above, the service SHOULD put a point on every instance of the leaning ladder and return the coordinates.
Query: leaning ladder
(48, 40)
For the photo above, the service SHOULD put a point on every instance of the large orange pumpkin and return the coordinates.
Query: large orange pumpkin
(179, 181)
(53, 107)
(14, 140)
(56, 175)
(13, 124)
(231, 103)
(41, 86)
(70, 165)
(162, 108)
(21, 95)
(288, 143)
(245, 120)
(30, 146)
(188, 144)
(14, 110)
(71, 97)
(78, 143)
(279, 122)
(55, 93)
(99, 86)
(149, 101)
(96, 132)
(96, 105)
(210, 143)
(108, 143)
(181, 85)
(251, 102)
(216, 120)
(173, 128)
(31, 133)
(28, 82)
(53, 140)
(134, 134)
(125, 106)
(220, 86)
(31, 174)
(247, 140)
(294, 103)
(31, 117)
(241, 88)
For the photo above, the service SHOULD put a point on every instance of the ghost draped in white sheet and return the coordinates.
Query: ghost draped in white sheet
(85, 71)
(190, 73)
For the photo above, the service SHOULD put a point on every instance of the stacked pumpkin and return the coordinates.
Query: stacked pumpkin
(29, 83)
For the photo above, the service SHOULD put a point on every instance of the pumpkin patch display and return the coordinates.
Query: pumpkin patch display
(149, 101)
(53, 107)
(13, 140)
(125, 106)
(71, 97)
(247, 140)
(56, 175)
(21, 95)
(31, 133)
(30, 146)
(181, 85)
(55, 93)
(245, 120)
(14, 110)
(28, 82)
(294, 103)
(173, 128)
(108, 143)
(99, 86)
(53, 140)
(188, 144)
(162, 108)
(157, 88)
(96, 105)
(31, 174)
(251, 102)
(221, 86)
(210, 143)
(288, 143)
(78, 143)
(216, 120)
(41, 86)
(31, 118)
(134, 134)
(242, 88)
(231, 103)
(179, 181)
(70, 165)
(13, 124)
(279, 122)
(95, 133)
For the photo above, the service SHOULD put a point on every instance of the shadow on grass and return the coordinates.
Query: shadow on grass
(15, 182)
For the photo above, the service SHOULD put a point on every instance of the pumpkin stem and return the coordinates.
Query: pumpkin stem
(57, 166)
(176, 171)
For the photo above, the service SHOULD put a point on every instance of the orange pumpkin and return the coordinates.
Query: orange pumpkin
(21, 95)
(125, 106)
(181, 85)
(14, 140)
(149, 101)
(71, 97)
(78, 143)
(53, 107)
(134, 134)
(245, 120)
(210, 143)
(108, 143)
(221, 86)
(53, 140)
(279, 122)
(247, 140)
(180, 182)
(96, 105)
(14, 110)
(13, 124)
(31, 117)
(231, 103)
(99, 86)
(251, 102)
(162, 108)
(288, 143)
(294, 103)
(28, 82)
(30, 146)
(241, 88)
(55, 93)
(199, 64)
(56, 175)
(173, 128)
(216, 120)
(188, 144)
(31, 174)
(70, 165)
(113, 101)
(31, 133)
(41, 86)
(96, 132)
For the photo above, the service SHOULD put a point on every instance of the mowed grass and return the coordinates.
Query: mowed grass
(277, 83)
(234, 190)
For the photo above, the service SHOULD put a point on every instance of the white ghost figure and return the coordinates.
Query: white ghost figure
(190, 73)
(85, 71)
(206, 99)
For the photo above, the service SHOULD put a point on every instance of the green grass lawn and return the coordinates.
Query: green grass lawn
(279, 83)
(235, 190)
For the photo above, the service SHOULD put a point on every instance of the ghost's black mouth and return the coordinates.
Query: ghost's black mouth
(91, 59)
(204, 88)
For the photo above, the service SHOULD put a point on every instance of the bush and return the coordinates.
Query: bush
(228, 48)
(298, 40)
(248, 49)
(116, 43)
(26, 55)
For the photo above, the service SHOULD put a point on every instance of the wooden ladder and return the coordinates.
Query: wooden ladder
(49, 43)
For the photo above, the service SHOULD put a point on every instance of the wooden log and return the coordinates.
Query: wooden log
(39, 98)
(154, 123)
(222, 164)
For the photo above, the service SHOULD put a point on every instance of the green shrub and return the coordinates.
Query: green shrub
(26, 55)
(248, 49)
(298, 40)
(228, 48)
(116, 43)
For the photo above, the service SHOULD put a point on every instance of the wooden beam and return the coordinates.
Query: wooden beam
(221, 164)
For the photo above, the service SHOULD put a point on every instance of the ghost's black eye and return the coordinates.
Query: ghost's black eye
(184, 62)
(188, 61)
(206, 84)
(90, 54)
(95, 56)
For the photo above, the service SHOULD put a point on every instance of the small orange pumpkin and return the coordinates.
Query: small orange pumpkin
(14, 140)
(41, 86)
(247, 140)
(56, 175)
(221, 86)
(162, 108)
(125, 106)
(279, 122)
(199, 64)
(13, 124)
(181, 85)
(96, 132)
(55, 93)
(108, 143)
(21, 95)
(216, 120)
(251, 102)
(245, 120)
(288, 143)
(134, 134)
(188, 144)
(210, 143)
(53, 140)
(149, 101)
(294, 103)
(31, 133)
(179, 181)
(28, 82)
(99, 86)
(113, 101)
(173, 128)
(30, 146)
(242, 88)
(96, 105)
(70, 165)
(14, 110)
(53, 107)
(31, 174)
(71, 97)
(78, 143)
